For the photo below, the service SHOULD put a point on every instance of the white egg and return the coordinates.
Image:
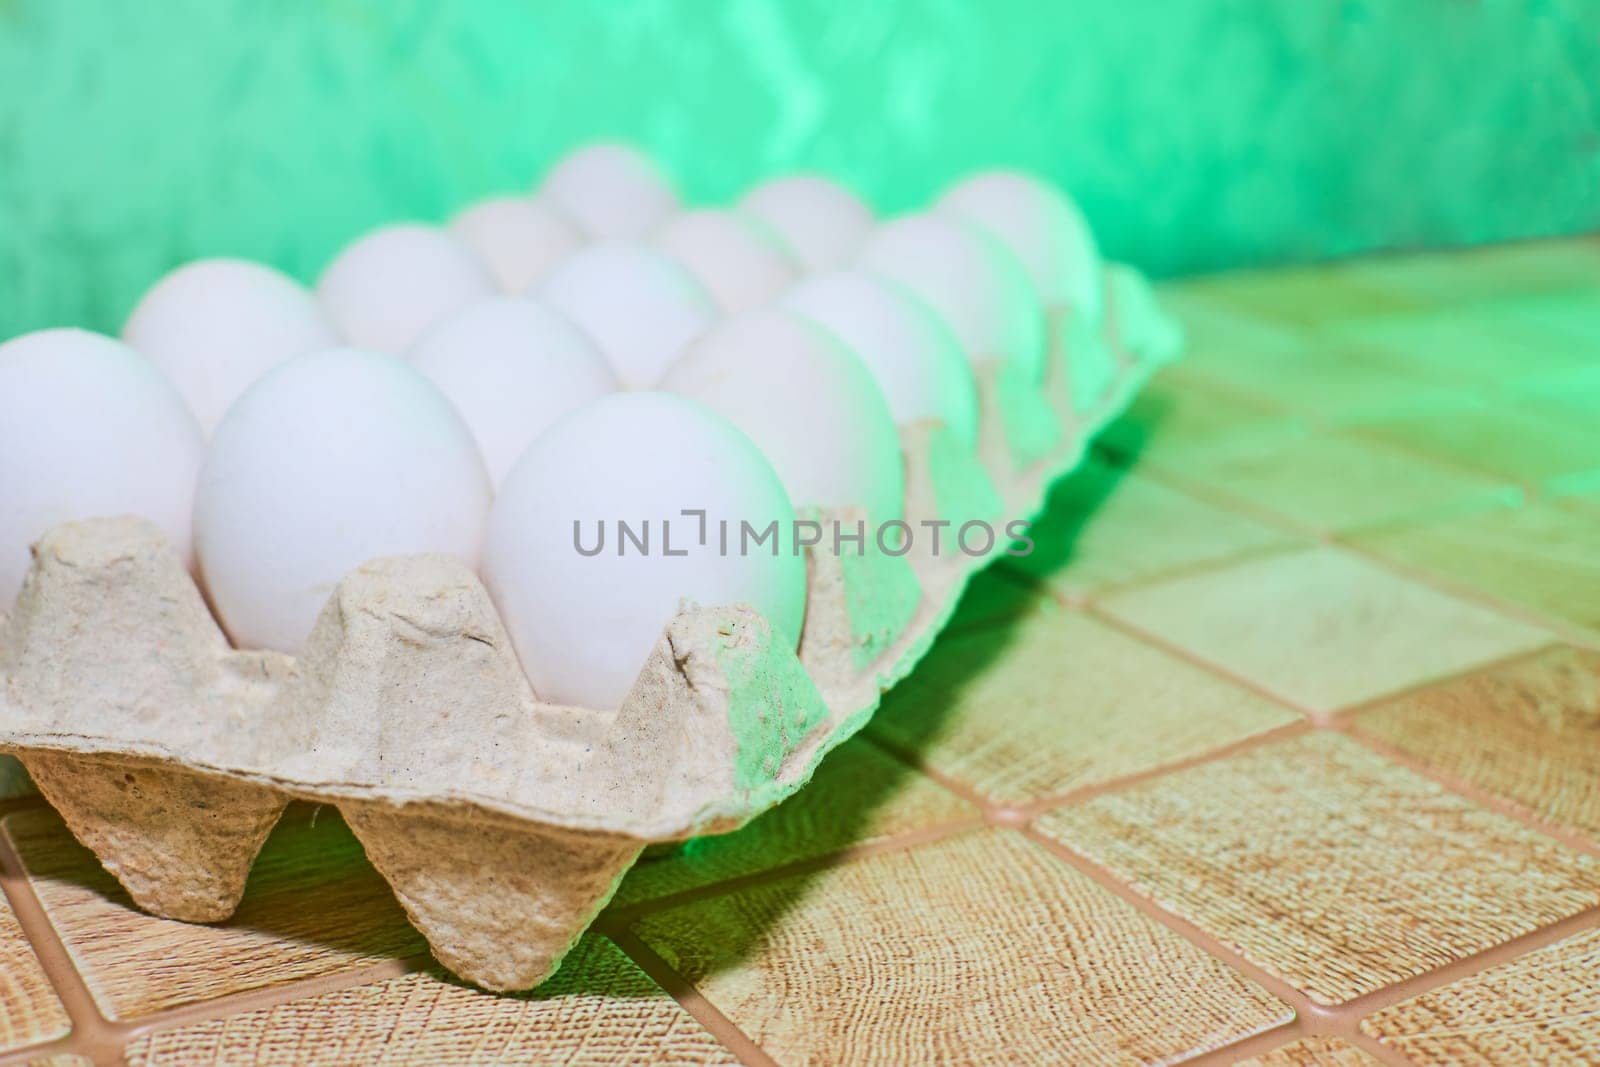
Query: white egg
(912, 354)
(519, 238)
(384, 289)
(511, 366)
(970, 279)
(88, 429)
(331, 460)
(1042, 227)
(807, 401)
(739, 261)
(584, 624)
(610, 190)
(216, 325)
(640, 307)
(822, 221)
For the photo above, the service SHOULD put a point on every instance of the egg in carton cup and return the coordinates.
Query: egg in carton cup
(503, 824)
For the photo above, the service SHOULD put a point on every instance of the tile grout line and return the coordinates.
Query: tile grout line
(1302, 1005)
(1034, 808)
(1369, 1004)
(1470, 791)
(91, 1030)
(626, 914)
(707, 1014)
(249, 1000)
(1161, 644)
(1339, 717)
(1482, 598)
(1311, 1018)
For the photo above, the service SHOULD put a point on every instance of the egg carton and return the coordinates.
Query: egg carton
(503, 824)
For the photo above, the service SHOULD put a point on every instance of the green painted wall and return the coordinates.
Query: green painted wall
(1197, 133)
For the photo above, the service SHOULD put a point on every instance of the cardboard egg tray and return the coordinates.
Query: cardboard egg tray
(503, 824)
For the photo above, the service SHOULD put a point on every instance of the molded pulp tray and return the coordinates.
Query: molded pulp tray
(503, 824)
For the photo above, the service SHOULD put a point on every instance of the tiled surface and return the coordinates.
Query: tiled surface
(599, 1008)
(1522, 446)
(1332, 483)
(1107, 527)
(1527, 731)
(29, 1010)
(858, 795)
(136, 964)
(1313, 1052)
(982, 948)
(1328, 865)
(1171, 418)
(1539, 1008)
(1063, 703)
(1295, 703)
(1545, 557)
(1322, 627)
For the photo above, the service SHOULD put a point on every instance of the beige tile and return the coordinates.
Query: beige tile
(1058, 704)
(1545, 557)
(1216, 332)
(1574, 313)
(1173, 416)
(29, 1010)
(1322, 627)
(1313, 1052)
(1329, 382)
(1542, 1008)
(1487, 343)
(1499, 441)
(1528, 731)
(1332, 483)
(1327, 865)
(1456, 277)
(313, 907)
(1573, 395)
(1304, 295)
(599, 1008)
(981, 948)
(858, 794)
(1105, 527)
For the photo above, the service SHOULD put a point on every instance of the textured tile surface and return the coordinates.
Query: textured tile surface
(599, 1008)
(1066, 702)
(1528, 731)
(1497, 440)
(1169, 421)
(1328, 865)
(1488, 343)
(1374, 400)
(313, 907)
(1313, 1052)
(859, 794)
(1105, 527)
(982, 948)
(1322, 627)
(1322, 383)
(1545, 557)
(1542, 1008)
(1332, 483)
(29, 1010)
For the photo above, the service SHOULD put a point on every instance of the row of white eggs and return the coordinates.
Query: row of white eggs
(744, 363)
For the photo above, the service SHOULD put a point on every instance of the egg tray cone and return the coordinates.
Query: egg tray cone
(503, 824)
